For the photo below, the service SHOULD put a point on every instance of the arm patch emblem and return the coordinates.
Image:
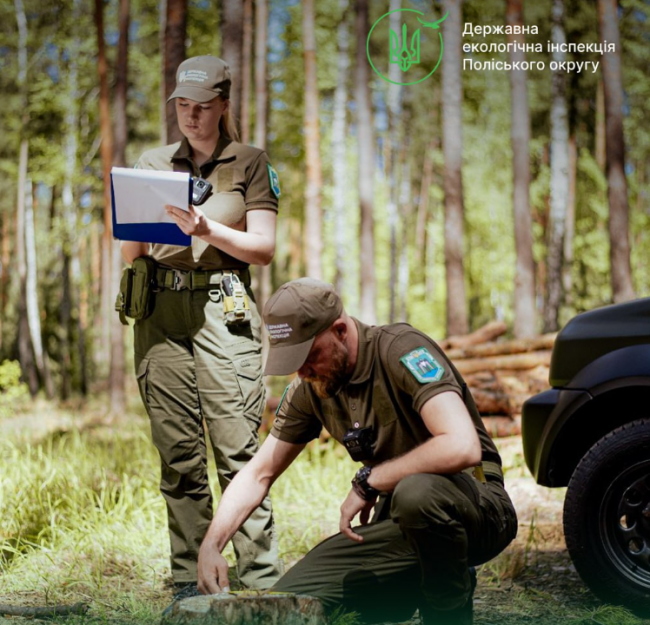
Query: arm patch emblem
(274, 181)
(423, 366)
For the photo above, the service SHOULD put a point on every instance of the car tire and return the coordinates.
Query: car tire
(607, 517)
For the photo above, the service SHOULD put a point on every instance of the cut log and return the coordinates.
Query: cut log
(247, 608)
(491, 402)
(513, 362)
(500, 427)
(516, 346)
(44, 612)
(488, 332)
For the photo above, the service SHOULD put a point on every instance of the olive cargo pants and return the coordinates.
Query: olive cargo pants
(191, 367)
(418, 554)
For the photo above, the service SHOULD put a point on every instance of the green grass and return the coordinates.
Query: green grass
(82, 520)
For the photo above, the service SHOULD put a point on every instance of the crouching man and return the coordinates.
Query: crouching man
(430, 477)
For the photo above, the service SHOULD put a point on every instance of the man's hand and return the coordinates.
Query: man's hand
(352, 506)
(192, 221)
(212, 570)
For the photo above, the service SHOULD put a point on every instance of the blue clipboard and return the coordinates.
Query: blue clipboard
(165, 233)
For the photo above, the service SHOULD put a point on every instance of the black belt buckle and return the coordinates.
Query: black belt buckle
(182, 280)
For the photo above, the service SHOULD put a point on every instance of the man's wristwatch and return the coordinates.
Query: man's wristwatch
(361, 486)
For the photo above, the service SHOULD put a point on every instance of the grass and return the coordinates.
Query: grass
(82, 520)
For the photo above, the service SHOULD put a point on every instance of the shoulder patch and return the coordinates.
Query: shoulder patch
(423, 366)
(274, 181)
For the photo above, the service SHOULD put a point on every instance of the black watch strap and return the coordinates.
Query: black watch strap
(361, 486)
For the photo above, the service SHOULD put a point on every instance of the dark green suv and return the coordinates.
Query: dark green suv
(591, 432)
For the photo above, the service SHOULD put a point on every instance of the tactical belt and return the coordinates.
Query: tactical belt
(486, 472)
(177, 280)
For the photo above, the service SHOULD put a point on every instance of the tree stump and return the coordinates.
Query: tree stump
(248, 608)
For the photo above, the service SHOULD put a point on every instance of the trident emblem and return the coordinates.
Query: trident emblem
(402, 56)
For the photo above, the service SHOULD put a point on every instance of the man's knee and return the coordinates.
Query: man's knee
(420, 499)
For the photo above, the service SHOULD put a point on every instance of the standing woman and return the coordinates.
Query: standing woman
(194, 365)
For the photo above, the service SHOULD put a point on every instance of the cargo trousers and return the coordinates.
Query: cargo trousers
(415, 553)
(194, 372)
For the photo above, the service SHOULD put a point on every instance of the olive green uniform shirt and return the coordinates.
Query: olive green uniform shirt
(383, 394)
(240, 176)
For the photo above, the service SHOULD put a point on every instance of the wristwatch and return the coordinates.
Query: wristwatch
(361, 486)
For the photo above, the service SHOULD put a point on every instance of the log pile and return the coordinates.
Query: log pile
(501, 375)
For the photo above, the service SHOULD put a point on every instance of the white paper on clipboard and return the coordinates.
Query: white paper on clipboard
(140, 195)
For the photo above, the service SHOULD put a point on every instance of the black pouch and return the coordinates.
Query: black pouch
(136, 299)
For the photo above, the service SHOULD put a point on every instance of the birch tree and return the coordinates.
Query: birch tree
(313, 210)
(559, 174)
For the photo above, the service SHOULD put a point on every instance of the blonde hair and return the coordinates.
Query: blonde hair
(227, 125)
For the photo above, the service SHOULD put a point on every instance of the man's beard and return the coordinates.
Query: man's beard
(328, 385)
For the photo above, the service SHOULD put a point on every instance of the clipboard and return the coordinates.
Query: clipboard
(138, 197)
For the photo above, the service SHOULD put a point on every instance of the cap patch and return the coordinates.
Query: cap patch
(274, 181)
(423, 366)
(195, 75)
(279, 331)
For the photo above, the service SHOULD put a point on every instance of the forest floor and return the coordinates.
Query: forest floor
(122, 572)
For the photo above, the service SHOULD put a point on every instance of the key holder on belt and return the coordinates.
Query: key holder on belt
(236, 307)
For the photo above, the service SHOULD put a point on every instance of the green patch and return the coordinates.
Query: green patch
(277, 410)
(274, 181)
(424, 367)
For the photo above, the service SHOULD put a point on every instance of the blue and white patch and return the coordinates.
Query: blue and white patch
(274, 181)
(423, 366)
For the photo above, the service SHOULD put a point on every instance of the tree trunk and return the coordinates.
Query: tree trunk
(106, 151)
(394, 105)
(162, 104)
(313, 210)
(25, 355)
(117, 377)
(232, 38)
(423, 206)
(261, 122)
(600, 150)
(339, 152)
(406, 208)
(569, 223)
(524, 296)
(33, 309)
(366, 167)
(246, 72)
(452, 143)
(173, 56)
(619, 238)
(559, 175)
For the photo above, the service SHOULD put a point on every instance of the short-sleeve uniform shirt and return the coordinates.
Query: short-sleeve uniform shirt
(242, 180)
(398, 370)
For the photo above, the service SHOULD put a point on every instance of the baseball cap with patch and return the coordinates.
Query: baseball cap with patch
(295, 314)
(202, 78)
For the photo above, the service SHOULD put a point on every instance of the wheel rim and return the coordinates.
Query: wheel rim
(625, 522)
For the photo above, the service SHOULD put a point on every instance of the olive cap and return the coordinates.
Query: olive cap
(202, 78)
(295, 314)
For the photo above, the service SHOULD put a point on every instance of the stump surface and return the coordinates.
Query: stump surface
(248, 608)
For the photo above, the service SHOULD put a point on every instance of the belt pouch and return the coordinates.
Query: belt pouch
(136, 299)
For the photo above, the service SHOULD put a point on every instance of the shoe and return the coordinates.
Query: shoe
(183, 591)
(463, 615)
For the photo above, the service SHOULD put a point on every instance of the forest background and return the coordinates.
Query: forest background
(471, 196)
(474, 195)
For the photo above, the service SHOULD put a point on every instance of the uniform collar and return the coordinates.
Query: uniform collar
(221, 151)
(365, 353)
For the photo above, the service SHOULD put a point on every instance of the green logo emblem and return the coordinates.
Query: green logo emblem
(423, 51)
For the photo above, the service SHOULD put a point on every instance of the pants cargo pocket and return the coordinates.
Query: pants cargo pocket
(249, 378)
(142, 369)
